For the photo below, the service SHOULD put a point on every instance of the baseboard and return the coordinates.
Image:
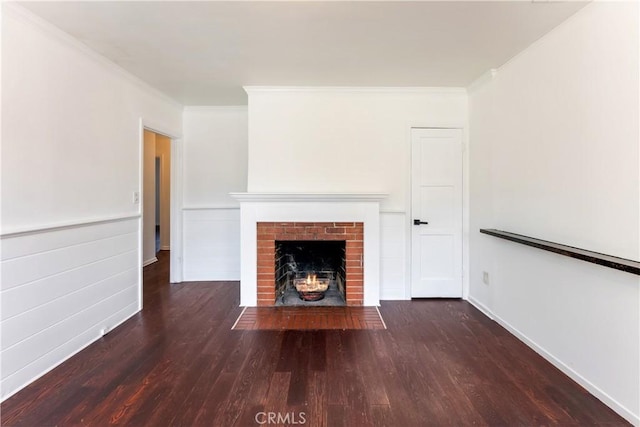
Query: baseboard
(588, 385)
(165, 248)
(217, 276)
(477, 304)
(149, 261)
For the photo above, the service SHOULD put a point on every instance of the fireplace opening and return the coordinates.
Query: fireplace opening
(310, 272)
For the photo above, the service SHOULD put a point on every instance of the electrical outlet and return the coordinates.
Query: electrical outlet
(136, 197)
(485, 277)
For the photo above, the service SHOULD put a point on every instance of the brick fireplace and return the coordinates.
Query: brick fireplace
(268, 233)
(271, 222)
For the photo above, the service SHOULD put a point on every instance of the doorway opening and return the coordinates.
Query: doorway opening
(156, 196)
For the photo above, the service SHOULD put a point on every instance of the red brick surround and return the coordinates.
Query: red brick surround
(350, 232)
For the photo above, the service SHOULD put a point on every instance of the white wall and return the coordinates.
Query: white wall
(348, 140)
(56, 167)
(555, 155)
(70, 163)
(215, 164)
(342, 140)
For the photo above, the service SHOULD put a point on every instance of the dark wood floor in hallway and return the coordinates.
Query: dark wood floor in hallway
(178, 363)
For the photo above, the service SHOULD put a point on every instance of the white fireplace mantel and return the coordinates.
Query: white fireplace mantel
(309, 207)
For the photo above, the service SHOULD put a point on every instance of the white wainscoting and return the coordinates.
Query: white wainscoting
(393, 257)
(61, 288)
(211, 243)
(212, 248)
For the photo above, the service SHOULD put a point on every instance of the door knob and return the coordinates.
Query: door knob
(418, 222)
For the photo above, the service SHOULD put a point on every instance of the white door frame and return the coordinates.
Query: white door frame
(175, 269)
(465, 201)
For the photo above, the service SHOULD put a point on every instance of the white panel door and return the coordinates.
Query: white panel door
(436, 208)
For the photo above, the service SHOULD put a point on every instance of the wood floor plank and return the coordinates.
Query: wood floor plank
(370, 370)
(316, 399)
(297, 394)
(337, 415)
(356, 389)
(278, 387)
(179, 363)
(318, 351)
(270, 343)
(212, 407)
(336, 386)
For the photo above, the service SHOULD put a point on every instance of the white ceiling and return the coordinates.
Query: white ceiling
(202, 53)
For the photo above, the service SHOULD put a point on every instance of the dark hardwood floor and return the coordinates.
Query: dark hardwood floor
(178, 363)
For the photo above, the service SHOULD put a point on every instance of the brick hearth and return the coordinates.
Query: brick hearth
(349, 232)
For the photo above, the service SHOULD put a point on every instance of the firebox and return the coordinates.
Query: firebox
(312, 256)
(310, 272)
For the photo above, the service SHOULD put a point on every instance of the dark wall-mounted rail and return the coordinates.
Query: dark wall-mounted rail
(622, 264)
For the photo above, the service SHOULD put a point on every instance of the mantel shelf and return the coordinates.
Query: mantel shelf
(308, 197)
(622, 264)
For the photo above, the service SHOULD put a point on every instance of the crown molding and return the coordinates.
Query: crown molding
(486, 78)
(214, 108)
(358, 89)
